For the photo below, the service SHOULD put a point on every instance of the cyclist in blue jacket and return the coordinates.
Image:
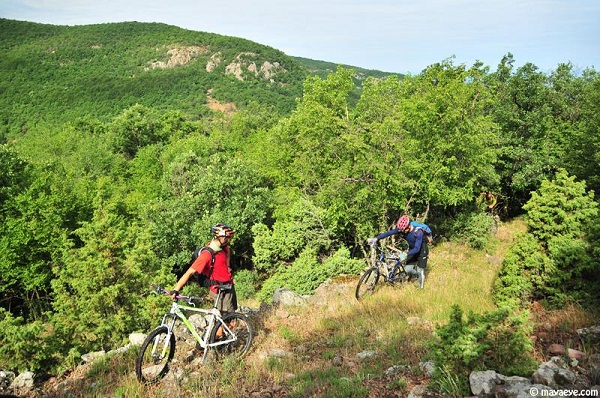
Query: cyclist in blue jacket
(418, 248)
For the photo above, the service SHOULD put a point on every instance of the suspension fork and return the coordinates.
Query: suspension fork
(168, 320)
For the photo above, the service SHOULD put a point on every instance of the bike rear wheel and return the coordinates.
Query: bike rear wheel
(240, 332)
(157, 351)
(366, 283)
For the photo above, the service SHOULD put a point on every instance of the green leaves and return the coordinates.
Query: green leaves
(136, 128)
(16, 348)
(94, 211)
(560, 207)
(558, 249)
(543, 125)
(302, 226)
(199, 191)
(97, 290)
(307, 272)
(496, 340)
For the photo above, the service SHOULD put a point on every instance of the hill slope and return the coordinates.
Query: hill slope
(334, 346)
(51, 74)
(56, 73)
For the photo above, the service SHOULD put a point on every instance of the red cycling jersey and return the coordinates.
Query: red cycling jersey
(221, 272)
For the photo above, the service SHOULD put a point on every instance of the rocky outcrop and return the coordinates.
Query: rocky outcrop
(213, 62)
(178, 56)
(20, 384)
(246, 61)
(243, 64)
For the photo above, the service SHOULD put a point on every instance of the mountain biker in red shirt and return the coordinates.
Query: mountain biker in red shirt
(221, 269)
(418, 248)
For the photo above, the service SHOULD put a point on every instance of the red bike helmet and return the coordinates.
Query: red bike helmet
(403, 222)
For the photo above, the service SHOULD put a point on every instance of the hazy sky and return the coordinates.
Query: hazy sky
(388, 35)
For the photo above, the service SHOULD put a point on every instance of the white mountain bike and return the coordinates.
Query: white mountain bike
(228, 334)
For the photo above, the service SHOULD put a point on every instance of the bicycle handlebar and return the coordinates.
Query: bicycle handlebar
(389, 254)
(189, 299)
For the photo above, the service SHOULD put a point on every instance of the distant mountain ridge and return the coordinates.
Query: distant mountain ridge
(322, 68)
(51, 74)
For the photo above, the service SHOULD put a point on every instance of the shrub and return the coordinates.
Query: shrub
(245, 284)
(472, 229)
(23, 346)
(496, 340)
(552, 260)
(300, 277)
(307, 273)
(520, 273)
(301, 227)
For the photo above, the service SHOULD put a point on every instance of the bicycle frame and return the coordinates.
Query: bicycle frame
(390, 273)
(178, 312)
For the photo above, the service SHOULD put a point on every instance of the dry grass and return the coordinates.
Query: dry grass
(395, 322)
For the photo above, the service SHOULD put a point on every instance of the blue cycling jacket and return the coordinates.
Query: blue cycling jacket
(414, 239)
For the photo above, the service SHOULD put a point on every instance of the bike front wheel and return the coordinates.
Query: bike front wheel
(236, 337)
(157, 351)
(366, 283)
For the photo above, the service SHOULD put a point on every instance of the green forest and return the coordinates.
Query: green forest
(113, 172)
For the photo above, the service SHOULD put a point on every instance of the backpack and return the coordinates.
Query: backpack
(202, 278)
(424, 227)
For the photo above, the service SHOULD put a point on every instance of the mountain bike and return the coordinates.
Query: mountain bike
(227, 334)
(388, 264)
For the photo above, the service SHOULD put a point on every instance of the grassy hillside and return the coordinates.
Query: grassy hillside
(317, 344)
(51, 74)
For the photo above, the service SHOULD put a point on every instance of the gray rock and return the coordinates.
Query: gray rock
(427, 368)
(6, 378)
(23, 382)
(276, 353)
(366, 354)
(515, 386)
(137, 338)
(489, 383)
(483, 383)
(417, 392)
(92, 356)
(338, 360)
(392, 370)
(554, 373)
(590, 333)
(287, 297)
(532, 390)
